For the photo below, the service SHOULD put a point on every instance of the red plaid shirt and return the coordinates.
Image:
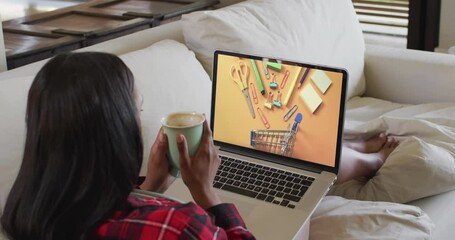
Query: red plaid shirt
(162, 218)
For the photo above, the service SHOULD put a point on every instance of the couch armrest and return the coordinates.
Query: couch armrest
(2, 49)
(409, 76)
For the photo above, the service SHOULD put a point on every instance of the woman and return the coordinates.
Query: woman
(82, 157)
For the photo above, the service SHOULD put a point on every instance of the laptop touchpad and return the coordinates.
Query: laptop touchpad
(244, 205)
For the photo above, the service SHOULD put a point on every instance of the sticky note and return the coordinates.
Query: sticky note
(310, 97)
(274, 66)
(321, 80)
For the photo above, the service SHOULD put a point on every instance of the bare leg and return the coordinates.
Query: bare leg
(371, 145)
(356, 164)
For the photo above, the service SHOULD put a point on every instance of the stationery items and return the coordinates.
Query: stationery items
(311, 98)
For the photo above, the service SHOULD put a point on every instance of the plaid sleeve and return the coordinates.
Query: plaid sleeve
(156, 218)
(228, 218)
(202, 226)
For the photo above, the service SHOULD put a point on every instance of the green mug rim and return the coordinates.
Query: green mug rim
(175, 113)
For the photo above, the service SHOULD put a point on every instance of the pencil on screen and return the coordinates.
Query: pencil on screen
(303, 77)
(291, 89)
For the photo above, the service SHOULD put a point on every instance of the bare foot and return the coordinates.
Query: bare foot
(372, 145)
(377, 159)
(355, 164)
(387, 149)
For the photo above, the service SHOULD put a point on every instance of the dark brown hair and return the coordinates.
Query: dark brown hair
(83, 148)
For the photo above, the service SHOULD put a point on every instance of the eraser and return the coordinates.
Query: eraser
(274, 66)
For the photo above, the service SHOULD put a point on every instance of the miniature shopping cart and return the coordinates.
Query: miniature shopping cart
(276, 141)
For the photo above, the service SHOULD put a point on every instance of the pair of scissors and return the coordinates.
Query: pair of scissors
(240, 73)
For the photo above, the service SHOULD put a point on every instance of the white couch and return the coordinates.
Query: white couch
(2, 49)
(400, 76)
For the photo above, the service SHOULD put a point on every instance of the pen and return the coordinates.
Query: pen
(303, 77)
(258, 77)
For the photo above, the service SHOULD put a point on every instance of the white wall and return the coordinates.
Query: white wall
(447, 26)
(2, 49)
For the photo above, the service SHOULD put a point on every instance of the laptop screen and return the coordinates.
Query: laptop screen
(280, 107)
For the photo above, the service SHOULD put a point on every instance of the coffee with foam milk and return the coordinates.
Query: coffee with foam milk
(183, 119)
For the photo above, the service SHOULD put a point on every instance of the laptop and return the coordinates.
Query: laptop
(278, 125)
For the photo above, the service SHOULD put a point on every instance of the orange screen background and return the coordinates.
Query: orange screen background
(316, 138)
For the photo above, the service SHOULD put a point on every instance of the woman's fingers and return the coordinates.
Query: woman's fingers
(207, 131)
(183, 151)
(159, 148)
(157, 178)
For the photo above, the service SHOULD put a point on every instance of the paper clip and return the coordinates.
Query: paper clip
(273, 83)
(277, 101)
(290, 113)
(269, 103)
(264, 66)
(285, 79)
(263, 118)
(253, 93)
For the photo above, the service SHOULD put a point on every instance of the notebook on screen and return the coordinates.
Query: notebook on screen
(278, 125)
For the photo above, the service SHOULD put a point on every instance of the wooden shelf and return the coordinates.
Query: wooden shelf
(41, 36)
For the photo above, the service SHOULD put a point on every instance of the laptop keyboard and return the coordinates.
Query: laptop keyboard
(261, 182)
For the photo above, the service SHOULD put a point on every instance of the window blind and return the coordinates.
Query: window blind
(388, 17)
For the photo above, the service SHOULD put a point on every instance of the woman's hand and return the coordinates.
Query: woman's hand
(199, 172)
(158, 178)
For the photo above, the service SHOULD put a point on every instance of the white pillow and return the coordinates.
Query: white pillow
(339, 218)
(324, 31)
(415, 169)
(170, 79)
(13, 102)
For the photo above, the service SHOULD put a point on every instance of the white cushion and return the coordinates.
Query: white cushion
(338, 218)
(441, 210)
(13, 102)
(324, 31)
(170, 79)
